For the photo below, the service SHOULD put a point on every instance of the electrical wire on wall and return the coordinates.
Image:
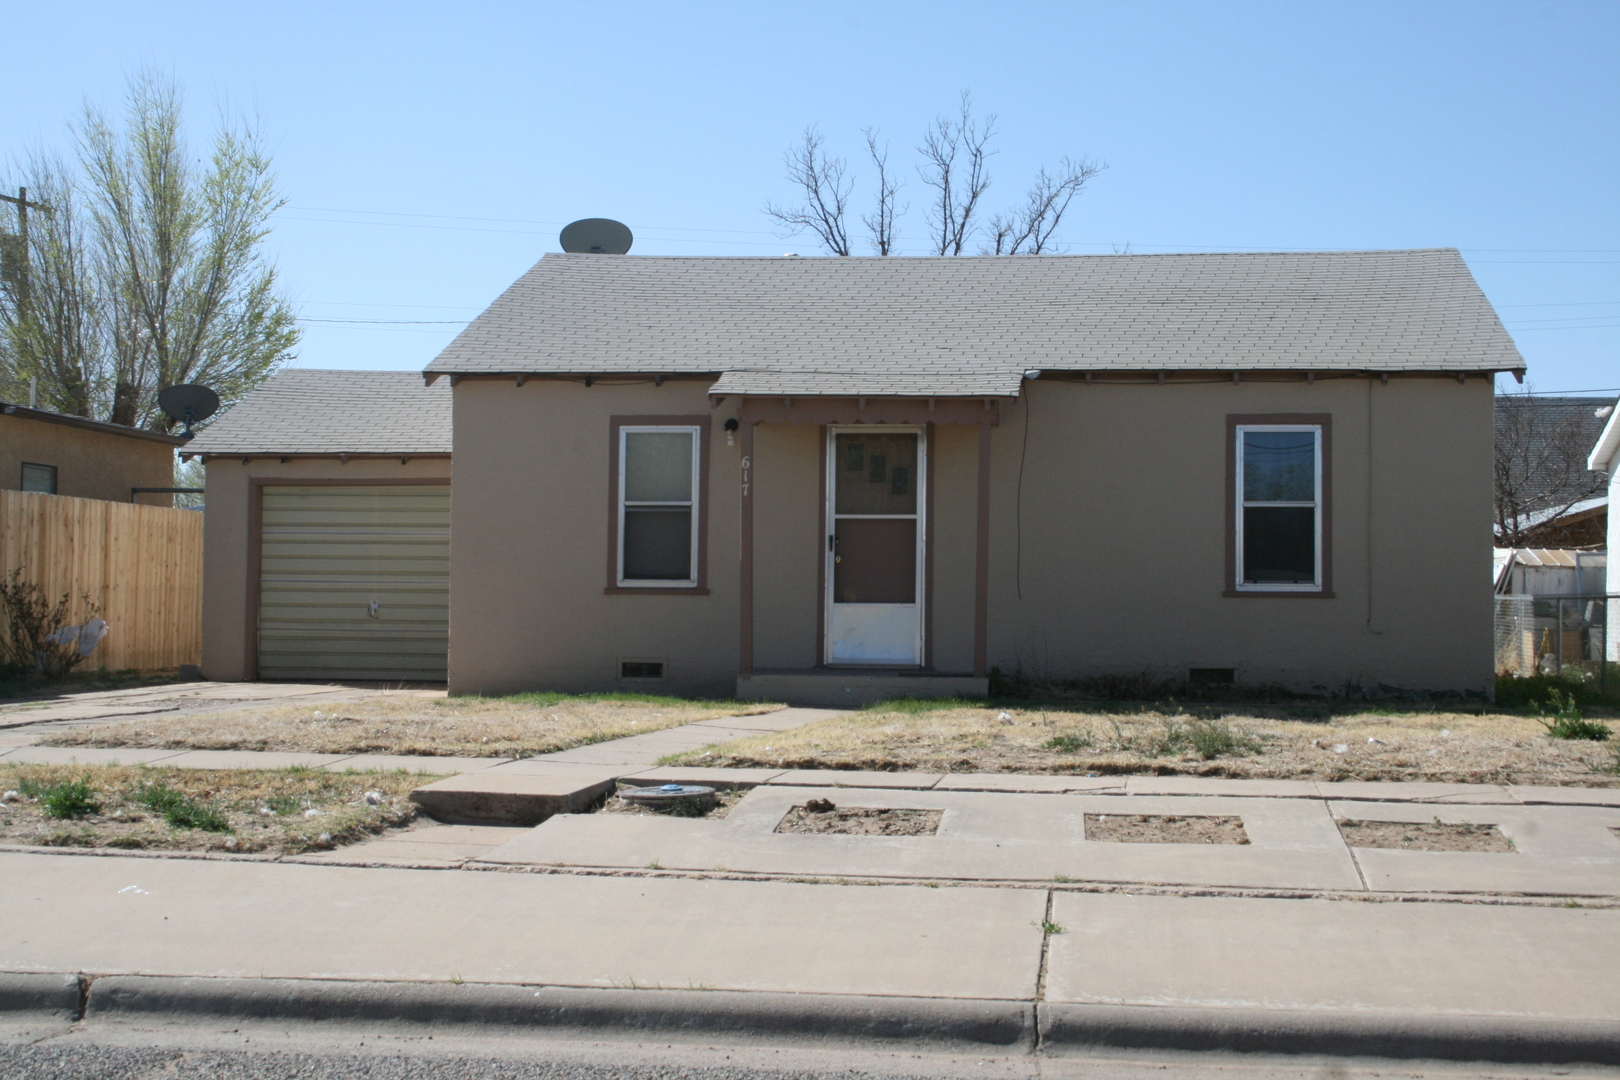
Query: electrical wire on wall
(1018, 515)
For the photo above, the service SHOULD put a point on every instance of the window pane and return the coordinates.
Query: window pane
(1279, 466)
(657, 545)
(1279, 545)
(877, 474)
(39, 478)
(658, 466)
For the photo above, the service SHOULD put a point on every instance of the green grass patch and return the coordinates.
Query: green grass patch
(548, 698)
(181, 811)
(65, 799)
(1534, 691)
(916, 705)
(1072, 742)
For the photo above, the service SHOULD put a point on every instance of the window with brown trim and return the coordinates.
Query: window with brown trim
(658, 513)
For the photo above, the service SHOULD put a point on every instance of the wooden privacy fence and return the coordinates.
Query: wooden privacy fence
(141, 564)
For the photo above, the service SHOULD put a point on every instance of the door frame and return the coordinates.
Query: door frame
(829, 522)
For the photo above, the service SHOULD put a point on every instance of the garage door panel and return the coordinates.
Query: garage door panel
(326, 554)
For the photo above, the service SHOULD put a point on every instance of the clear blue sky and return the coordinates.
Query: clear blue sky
(428, 152)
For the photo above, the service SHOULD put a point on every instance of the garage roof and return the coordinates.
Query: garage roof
(971, 326)
(313, 411)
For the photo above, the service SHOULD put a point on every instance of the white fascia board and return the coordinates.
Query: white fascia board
(1607, 449)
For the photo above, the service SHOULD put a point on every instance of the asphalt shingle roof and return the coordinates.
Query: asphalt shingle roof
(311, 411)
(970, 326)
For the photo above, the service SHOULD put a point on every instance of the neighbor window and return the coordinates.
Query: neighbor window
(1279, 508)
(39, 478)
(658, 511)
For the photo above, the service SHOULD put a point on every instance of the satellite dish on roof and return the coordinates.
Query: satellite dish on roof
(187, 403)
(597, 236)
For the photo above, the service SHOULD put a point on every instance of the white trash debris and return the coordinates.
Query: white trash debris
(1341, 748)
(230, 841)
(326, 838)
(11, 796)
(1444, 732)
(87, 636)
(1004, 716)
(1433, 752)
(319, 715)
(1374, 742)
(312, 813)
(373, 798)
(265, 811)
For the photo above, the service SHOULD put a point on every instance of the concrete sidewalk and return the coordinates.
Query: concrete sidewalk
(1010, 967)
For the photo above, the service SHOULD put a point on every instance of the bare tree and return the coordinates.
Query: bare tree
(954, 153)
(1028, 230)
(149, 270)
(880, 222)
(821, 178)
(1541, 451)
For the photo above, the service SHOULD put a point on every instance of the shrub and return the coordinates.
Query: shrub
(31, 621)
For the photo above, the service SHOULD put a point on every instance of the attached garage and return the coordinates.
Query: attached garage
(354, 582)
(326, 537)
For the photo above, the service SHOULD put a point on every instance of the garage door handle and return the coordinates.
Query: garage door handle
(374, 609)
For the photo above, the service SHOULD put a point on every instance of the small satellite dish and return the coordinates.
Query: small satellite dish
(597, 236)
(187, 403)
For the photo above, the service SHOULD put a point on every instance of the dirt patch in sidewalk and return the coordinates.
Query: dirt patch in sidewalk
(1284, 742)
(239, 811)
(822, 817)
(1166, 829)
(518, 726)
(1424, 836)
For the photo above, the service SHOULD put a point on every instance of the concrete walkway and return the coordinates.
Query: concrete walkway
(1019, 968)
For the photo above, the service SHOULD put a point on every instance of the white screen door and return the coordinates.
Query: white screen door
(875, 515)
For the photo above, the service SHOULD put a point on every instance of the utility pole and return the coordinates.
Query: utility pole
(23, 206)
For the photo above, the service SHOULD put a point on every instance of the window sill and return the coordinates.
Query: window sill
(1290, 594)
(654, 590)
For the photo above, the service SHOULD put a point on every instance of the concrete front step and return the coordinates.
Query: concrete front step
(506, 798)
(851, 689)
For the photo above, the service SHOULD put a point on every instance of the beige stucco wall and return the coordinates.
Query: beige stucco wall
(89, 464)
(1124, 536)
(228, 642)
(529, 545)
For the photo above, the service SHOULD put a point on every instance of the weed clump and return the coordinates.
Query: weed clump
(180, 811)
(1072, 742)
(1563, 719)
(67, 799)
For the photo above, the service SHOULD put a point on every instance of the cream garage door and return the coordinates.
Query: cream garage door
(355, 582)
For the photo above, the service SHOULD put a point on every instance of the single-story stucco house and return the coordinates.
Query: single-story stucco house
(60, 454)
(830, 479)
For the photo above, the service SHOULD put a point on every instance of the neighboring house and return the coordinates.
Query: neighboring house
(1605, 458)
(1549, 608)
(326, 543)
(829, 479)
(59, 454)
(1546, 495)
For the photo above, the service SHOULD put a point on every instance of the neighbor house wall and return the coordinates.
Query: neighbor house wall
(1121, 535)
(530, 604)
(89, 464)
(229, 580)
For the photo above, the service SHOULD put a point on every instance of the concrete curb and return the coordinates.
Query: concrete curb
(1511, 1040)
(821, 1018)
(58, 995)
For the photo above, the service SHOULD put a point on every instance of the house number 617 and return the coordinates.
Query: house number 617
(746, 463)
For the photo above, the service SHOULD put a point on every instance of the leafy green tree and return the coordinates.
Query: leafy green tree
(148, 268)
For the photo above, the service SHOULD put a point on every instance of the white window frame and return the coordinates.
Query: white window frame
(1242, 504)
(691, 504)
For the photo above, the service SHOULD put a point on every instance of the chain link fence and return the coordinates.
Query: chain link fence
(1559, 635)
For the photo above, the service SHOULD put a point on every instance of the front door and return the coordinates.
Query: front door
(875, 515)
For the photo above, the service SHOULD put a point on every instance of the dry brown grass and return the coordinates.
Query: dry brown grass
(1436, 746)
(517, 726)
(263, 810)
